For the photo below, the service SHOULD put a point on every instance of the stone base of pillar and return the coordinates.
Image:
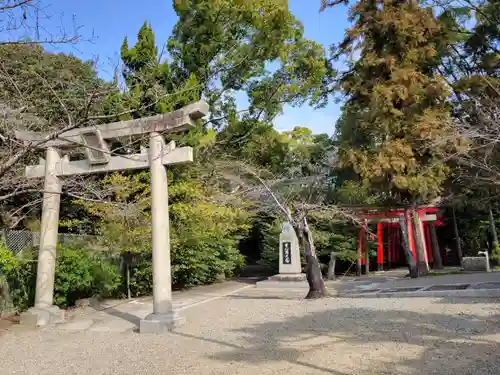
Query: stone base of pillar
(160, 323)
(41, 316)
(289, 277)
(380, 267)
(285, 280)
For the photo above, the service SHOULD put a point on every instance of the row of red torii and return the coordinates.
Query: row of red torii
(391, 222)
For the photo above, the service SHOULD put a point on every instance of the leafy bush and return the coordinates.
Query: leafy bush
(495, 254)
(82, 274)
(79, 274)
(204, 235)
(141, 278)
(17, 281)
(270, 232)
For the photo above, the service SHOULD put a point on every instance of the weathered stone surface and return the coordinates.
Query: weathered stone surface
(36, 317)
(77, 325)
(475, 264)
(160, 323)
(289, 254)
(81, 303)
(289, 277)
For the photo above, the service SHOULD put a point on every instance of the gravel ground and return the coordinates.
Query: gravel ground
(257, 333)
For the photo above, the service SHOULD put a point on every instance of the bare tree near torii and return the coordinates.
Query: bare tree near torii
(29, 22)
(290, 198)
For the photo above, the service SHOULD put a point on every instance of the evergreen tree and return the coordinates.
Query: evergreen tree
(397, 111)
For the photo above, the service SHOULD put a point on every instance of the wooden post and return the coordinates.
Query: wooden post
(390, 241)
(397, 245)
(380, 246)
(428, 243)
(367, 254)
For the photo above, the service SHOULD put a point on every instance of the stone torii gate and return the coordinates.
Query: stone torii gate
(99, 160)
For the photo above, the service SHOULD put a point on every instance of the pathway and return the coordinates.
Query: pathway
(245, 334)
(123, 316)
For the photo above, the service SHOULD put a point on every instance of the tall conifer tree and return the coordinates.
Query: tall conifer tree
(397, 103)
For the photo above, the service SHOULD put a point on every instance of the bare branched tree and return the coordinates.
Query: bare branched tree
(291, 198)
(30, 22)
(53, 103)
(479, 126)
(287, 198)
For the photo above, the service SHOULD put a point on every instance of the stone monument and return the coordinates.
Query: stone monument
(479, 263)
(290, 268)
(99, 160)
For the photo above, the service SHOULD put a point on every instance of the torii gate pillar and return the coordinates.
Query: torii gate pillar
(99, 160)
(44, 311)
(163, 317)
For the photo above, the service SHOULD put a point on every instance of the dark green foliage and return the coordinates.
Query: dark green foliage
(141, 277)
(269, 229)
(334, 234)
(37, 80)
(80, 273)
(330, 233)
(395, 131)
(17, 280)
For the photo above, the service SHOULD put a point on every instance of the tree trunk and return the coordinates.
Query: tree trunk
(436, 252)
(361, 243)
(457, 239)
(412, 266)
(422, 264)
(129, 293)
(6, 306)
(493, 230)
(317, 287)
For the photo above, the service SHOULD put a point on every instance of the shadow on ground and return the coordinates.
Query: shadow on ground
(421, 343)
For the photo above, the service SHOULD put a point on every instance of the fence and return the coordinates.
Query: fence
(18, 240)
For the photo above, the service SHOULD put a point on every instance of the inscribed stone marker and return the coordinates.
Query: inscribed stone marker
(289, 250)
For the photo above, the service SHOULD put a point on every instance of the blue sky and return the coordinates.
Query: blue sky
(110, 20)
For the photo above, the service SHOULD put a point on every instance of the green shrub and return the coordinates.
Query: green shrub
(17, 281)
(82, 274)
(495, 254)
(141, 277)
(204, 235)
(270, 231)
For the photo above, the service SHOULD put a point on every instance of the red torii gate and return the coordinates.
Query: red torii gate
(428, 215)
